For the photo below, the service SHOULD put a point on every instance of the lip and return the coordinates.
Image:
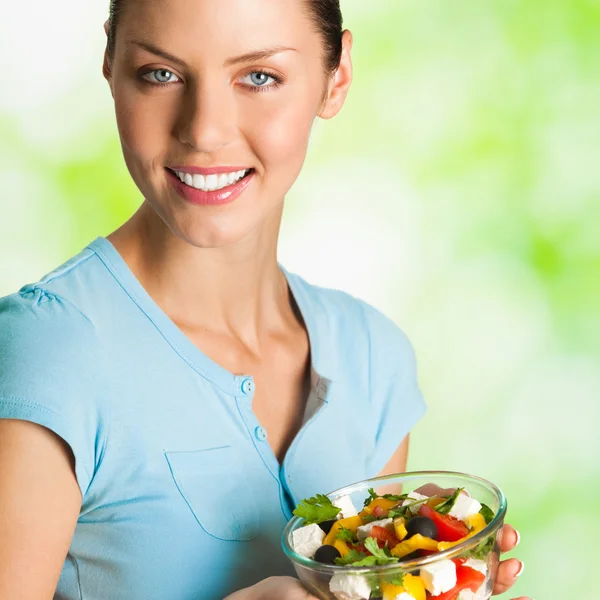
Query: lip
(215, 198)
(208, 170)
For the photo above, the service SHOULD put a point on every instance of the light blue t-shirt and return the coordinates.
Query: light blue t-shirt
(183, 498)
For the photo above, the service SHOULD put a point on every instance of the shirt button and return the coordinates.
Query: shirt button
(261, 434)
(247, 386)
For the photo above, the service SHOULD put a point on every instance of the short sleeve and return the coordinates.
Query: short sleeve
(47, 361)
(397, 403)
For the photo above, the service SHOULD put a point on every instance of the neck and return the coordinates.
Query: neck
(235, 290)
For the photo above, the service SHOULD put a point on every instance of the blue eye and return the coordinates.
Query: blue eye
(259, 80)
(161, 77)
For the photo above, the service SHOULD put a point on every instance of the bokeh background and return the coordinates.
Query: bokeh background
(458, 191)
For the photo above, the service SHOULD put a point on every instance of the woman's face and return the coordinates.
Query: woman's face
(216, 111)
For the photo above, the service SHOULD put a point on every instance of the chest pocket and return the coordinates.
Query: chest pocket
(214, 486)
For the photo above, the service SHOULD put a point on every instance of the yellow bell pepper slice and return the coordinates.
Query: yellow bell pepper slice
(342, 547)
(381, 502)
(416, 542)
(351, 523)
(411, 584)
(476, 521)
(415, 586)
(391, 591)
(400, 528)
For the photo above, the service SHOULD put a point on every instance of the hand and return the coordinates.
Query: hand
(510, 569)
(274, 588)
(508, 538)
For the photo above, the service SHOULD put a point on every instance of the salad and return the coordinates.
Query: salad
(390, 529)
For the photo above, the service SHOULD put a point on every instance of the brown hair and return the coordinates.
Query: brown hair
(326, 16)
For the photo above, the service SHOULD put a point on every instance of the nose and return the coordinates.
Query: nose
(206, 122)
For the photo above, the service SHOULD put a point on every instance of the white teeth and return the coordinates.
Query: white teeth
(198, 181)
(210, 182)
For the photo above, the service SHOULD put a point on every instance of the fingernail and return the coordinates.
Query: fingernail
(518, 537)
(521, 569)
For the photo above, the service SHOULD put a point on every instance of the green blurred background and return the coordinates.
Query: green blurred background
(458, 191)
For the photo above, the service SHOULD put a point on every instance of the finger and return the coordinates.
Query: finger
(509, 538)
(508, 571)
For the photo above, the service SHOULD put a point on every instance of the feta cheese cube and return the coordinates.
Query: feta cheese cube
(347, 507)
(439, 577)
(464, 507)
(307, 540)
(478, 565)
(404, 596)
(363, 531)
(481, 594)
(350, 587)
(413, 497)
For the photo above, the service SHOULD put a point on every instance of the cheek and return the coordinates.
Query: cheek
(143, 122)
(280, 133)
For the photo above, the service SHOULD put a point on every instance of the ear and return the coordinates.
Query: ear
(106, 66)
(339, 83)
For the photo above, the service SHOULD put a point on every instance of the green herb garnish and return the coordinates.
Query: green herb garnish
(445, 507)
(372, 496)
(316, 510)
(394, 497)
(483, 549)
(395, 579)
(487, 513)
(345, 534)
(350, 558)
(382, 555)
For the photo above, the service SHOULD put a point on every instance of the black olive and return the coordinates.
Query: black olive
(375, 596)
(327, 554)
(327, 525)
(423, 525)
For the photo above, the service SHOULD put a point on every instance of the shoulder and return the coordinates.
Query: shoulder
(49, 360)
(45, 334)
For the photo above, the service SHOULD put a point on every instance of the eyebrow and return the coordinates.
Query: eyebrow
(248, 57)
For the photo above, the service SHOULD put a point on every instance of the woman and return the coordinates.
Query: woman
(169, 393)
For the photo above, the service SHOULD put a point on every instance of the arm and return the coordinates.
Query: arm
(397, 463)
(39, 506)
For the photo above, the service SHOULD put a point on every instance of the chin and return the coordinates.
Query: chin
(213, 235)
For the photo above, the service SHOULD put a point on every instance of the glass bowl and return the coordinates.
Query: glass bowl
(482, 548)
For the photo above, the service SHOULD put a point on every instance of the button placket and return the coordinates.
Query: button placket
(261, 434)
(247, 386)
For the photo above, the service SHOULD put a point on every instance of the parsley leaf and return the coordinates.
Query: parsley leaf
(345, 534)
(400, 511)
(369, 519)
(369, 561)
(483, 549)
(350, 558)
(382, 555)
(394, 497)
(395, 579)
(372, 496)
(316, 510)
(487, 513)
(445, 507)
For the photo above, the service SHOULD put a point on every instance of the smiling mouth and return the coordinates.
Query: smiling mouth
(211, 183)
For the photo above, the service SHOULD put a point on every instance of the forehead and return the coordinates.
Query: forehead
(218, 24)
